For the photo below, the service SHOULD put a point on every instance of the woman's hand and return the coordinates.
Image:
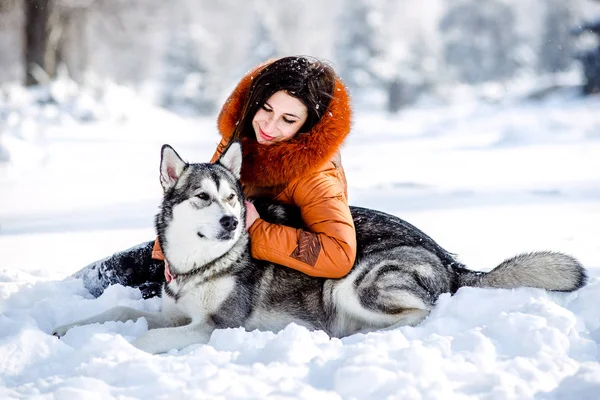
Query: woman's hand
(251, 214)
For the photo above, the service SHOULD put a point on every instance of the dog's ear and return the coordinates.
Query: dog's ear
(232, 159)
(171, 167)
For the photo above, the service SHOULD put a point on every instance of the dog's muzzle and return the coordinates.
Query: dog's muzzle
(229, 224)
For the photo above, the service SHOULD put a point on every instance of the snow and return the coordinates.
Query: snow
(485, 181)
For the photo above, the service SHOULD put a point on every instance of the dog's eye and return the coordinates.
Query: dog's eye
(202, 196)
(231, 197)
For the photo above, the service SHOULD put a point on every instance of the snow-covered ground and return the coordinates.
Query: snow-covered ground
(485, 181)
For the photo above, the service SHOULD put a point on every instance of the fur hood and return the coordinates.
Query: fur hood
(281, 163)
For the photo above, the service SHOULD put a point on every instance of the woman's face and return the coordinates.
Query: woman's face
(279, 119)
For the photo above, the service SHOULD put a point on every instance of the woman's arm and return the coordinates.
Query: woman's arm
(327, 247)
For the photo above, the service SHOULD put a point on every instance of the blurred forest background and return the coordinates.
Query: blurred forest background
(186, 55)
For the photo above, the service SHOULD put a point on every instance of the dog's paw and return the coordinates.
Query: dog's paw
(62, 330)
(148, 344)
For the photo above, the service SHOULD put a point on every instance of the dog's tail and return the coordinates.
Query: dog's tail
(545, 270)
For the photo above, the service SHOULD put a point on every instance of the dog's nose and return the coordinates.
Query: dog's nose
(229, 223)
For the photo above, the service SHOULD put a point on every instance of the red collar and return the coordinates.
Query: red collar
(168, 275)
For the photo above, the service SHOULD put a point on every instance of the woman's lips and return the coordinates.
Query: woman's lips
(265, 136)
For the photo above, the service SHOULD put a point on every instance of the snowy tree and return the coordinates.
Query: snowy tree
(229, 37)
(44, 26)
(556, 52)
(264, 46)
(188, 54)
(115, 39)
(11, 39)
(307, 27)
(73, 41)
(408, 41)
(479, 40)
(415, 73)
(126, 42)
(42, 31)
(215, 41)
(184, 80)
(356, 49)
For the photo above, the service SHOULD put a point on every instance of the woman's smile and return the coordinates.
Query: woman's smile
(265, 136)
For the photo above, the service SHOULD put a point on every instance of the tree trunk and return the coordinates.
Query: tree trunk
(72, 50)
(396, 96)
(41, 31)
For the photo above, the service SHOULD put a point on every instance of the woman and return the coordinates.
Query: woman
(291, 116)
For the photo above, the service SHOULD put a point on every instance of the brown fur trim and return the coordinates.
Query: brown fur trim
(281, 163)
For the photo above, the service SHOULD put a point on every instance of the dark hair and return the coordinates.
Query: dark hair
(309, 80)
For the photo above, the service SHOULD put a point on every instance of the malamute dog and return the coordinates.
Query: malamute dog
(398, 274)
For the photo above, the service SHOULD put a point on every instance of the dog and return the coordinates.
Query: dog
(398, 275)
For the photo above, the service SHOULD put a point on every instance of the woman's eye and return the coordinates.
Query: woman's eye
(287, 121)
(266, 109)
(202, 196)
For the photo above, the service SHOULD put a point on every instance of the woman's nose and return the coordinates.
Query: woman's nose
(269, 125)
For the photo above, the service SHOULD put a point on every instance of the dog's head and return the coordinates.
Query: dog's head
(203, 205)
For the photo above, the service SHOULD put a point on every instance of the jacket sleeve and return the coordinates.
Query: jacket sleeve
(327, 247)
(157, 253)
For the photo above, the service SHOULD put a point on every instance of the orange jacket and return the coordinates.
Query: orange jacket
(306, 172)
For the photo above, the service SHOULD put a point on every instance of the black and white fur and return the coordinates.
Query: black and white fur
(397, 277)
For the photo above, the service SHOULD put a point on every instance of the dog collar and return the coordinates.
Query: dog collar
(169, 276)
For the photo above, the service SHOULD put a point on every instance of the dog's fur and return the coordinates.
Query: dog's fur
(398, 274)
